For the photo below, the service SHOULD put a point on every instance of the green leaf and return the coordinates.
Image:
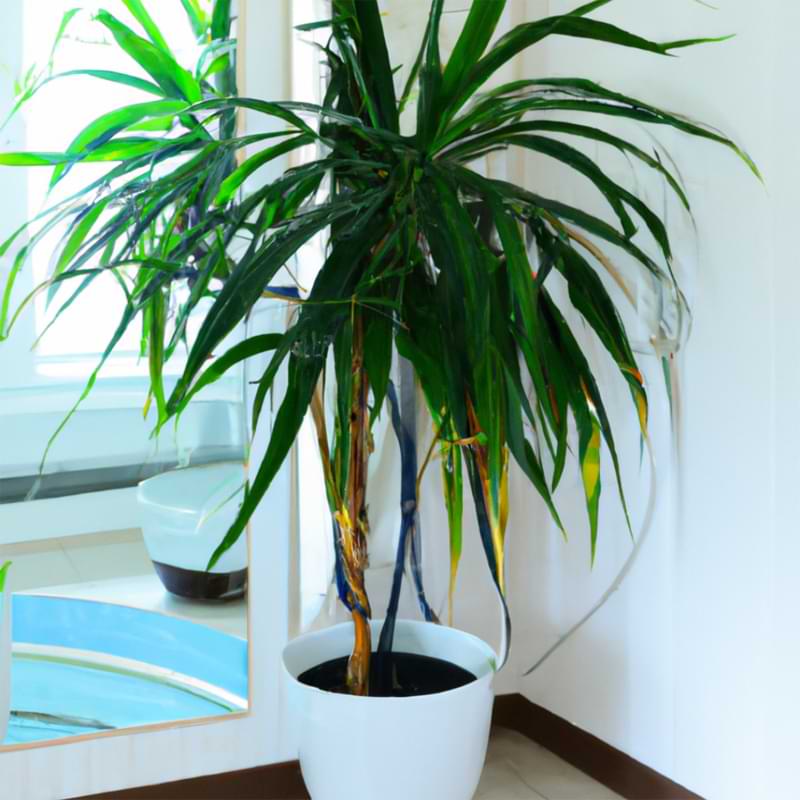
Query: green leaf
(197, 17)
(530, 33)
(453, 490)
(106, 126)
(157, 308)
(426, 368)
(378, 340)
(246, 283)
(583, 10)
(116, 150)
(375, 62)
(472, 41)
(351, 59)
(484, 529)
(586, 401)
(343, 372)
(589, 454)
(278, 110)
(221, 19)
(452, 238)
(127, 318)
(176, 81)
(430, 79)
(524, 454)
(579, 94)
(524, 290)
(328, 308)
(324, 23)
(80, 229)
(232, 183)
(52, 219)
(303, 376)
(580, 218)
(53, 215)
(616, 195)
(588, 295)
(219, 54)
(503, 136)
(250, 347)
(291, 339)
(309, 340)
(68, 16)
(136, 7)
(34, 159)
(3, 575)
(105, 75)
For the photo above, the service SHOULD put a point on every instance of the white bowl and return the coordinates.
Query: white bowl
(184, 515)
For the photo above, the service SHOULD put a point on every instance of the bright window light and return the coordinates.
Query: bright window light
(56, 115)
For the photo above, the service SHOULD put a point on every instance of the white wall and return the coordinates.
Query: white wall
(781, 659)
(691, 666)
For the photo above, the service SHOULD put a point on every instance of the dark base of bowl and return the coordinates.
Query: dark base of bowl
(194, 585)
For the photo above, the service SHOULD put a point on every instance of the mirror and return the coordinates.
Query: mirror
(122, 627)
(109, 618)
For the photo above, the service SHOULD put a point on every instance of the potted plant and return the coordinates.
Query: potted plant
(428, 263)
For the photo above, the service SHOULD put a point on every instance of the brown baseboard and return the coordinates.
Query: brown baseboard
(273, 782)
(591, 755)
(611, 767)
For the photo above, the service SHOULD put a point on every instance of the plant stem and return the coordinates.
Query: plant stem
(354, 534)
(358, 664)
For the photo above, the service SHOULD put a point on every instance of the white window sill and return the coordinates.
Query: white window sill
(79, 514)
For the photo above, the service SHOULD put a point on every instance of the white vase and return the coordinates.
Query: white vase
(5, 660)
(184, 515)
(428, 747)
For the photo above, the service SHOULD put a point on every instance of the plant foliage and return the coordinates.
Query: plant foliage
(426, 257)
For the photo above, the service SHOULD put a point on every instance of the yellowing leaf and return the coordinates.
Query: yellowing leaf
(590, 472)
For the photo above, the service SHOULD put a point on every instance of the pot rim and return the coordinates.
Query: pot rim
(491, 657)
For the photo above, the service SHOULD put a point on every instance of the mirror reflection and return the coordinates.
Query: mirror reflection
(109, 614)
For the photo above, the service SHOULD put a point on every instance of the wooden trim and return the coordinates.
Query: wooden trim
(154, 727)
(611, 767)
(273, 782)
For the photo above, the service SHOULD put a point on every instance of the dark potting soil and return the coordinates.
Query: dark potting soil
(392, 675)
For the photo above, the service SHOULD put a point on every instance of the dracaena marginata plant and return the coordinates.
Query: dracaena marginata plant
(425, 258)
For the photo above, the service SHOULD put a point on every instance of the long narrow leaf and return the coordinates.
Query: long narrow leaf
(137, 8)
(472, 41)
(376, 61)
(430, 78)
(176, 81)
(528, 34)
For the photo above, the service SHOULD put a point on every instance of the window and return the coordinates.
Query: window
(107, 443)
(52, 120)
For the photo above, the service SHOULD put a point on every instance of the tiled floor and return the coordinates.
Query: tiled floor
(76, 559)
(519, 769)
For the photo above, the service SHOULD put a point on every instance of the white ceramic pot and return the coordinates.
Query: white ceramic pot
(184, 515)
(430, 747)
(5, 660)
